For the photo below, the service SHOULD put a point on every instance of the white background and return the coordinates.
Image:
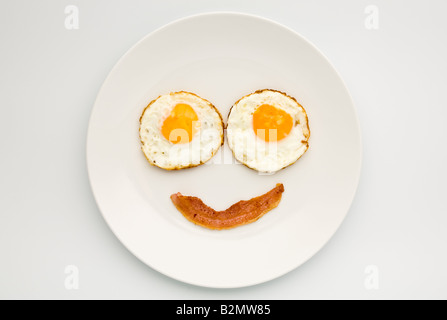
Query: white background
(49, 78)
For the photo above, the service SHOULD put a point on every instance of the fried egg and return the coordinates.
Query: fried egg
(180, 130)
(267, 130)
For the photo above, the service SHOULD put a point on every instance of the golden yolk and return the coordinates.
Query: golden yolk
(267, 118)
(181, 124)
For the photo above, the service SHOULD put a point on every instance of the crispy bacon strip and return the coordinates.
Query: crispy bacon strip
(240, 213)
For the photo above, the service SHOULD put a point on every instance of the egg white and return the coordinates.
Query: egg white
(253, 151)
(167, 155)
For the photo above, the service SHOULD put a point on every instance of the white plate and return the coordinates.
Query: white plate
(221, 57)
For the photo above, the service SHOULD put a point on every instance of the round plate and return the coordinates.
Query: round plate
(222, 57)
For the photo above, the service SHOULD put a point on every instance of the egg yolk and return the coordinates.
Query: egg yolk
(268, 120)
(181, 124)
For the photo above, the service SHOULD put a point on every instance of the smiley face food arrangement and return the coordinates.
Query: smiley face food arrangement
(267, 131)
